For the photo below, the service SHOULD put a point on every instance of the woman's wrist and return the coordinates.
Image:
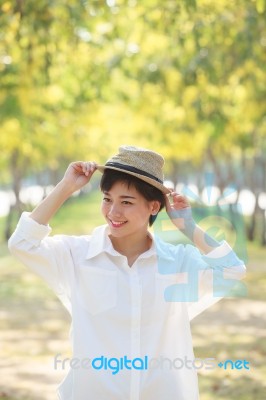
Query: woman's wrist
(188, 227)
(65, 189)
(182, 219)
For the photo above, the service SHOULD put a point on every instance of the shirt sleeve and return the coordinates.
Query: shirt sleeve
(208, 278)
(48, 257)
(219, 275)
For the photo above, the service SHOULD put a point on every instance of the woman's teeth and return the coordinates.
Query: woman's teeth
(117, 224)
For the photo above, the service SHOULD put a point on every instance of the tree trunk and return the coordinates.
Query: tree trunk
(252, 227)
(16, 209)
(263, 230)
(217, 170)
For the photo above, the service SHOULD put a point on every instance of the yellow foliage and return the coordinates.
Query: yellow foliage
(173, 79)
(6, 6)
(81, 79)
(10, 135)
(53, 94)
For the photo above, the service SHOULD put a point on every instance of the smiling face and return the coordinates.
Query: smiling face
(126, 211)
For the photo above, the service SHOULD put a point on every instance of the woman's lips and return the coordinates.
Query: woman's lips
(117, 224)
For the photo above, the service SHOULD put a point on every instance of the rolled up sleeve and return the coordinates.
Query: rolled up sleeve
(45, 256)
(218, 275)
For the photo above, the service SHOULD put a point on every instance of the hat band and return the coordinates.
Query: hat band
(132, 169)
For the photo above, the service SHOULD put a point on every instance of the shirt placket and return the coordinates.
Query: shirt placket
(135, 286)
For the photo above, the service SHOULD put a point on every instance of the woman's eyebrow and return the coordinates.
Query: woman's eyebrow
(126, 196)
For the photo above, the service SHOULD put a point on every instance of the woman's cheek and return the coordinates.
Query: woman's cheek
(103, 208)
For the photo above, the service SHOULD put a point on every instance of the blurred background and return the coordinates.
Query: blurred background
(78, 78)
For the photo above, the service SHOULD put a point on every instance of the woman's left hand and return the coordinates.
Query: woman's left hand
(179, 210)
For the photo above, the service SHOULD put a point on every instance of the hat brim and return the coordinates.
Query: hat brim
(151, 181)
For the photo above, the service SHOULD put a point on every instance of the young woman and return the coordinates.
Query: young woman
(131, 295)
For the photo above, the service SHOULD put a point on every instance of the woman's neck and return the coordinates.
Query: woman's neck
(132, 246)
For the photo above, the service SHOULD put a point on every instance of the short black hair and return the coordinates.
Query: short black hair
(149, 192)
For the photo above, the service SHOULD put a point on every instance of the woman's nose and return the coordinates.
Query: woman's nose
(114, 210)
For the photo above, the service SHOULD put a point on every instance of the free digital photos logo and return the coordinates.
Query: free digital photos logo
(220, 217)
(118, 364)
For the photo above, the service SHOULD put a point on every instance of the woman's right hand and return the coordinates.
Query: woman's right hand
(78, 174)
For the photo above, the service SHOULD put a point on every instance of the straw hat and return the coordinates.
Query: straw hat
(142, 163)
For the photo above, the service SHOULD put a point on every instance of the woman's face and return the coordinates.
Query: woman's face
(126, 210)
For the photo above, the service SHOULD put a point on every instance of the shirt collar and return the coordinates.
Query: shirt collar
(101, 243)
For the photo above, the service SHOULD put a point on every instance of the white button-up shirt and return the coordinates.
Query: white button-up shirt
(130, 325)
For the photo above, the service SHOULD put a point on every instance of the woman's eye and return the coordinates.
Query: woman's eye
(106, 200)
(126, 202)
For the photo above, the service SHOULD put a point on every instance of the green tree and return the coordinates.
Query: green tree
(79, 78)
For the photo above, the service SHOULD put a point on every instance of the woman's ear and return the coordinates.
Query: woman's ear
(156, 205)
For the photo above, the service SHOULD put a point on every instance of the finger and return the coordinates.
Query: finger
(94, 166)
(180, 202)
(84, 168)
(167, 201)
(89, 168)
(78, 166)
(177, 198)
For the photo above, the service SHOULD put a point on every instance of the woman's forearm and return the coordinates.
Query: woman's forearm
(49, 206)
(76, 176)
(200, 238)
